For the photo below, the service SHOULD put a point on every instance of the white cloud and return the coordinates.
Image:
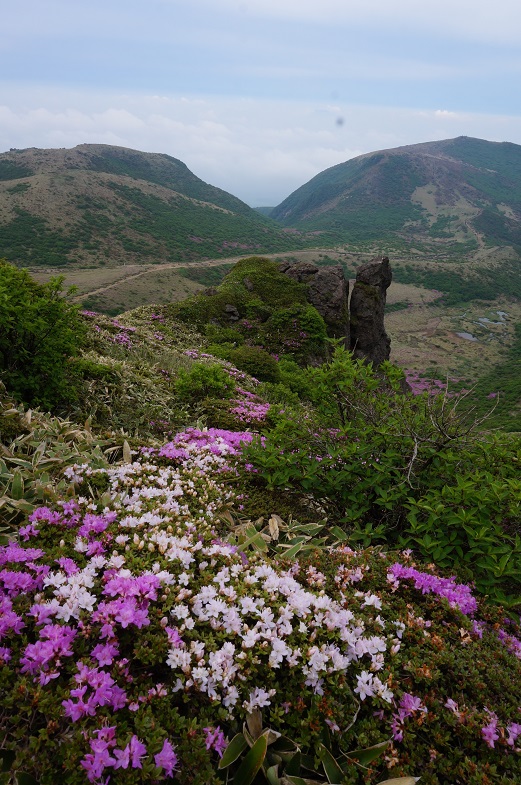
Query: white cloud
(469, 19)
(259, 150)
(444, 113)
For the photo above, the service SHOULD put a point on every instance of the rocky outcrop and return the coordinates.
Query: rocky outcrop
(368, 340)
(328, 292)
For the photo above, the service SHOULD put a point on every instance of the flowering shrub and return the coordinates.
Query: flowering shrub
(135, 641)
(249, 408)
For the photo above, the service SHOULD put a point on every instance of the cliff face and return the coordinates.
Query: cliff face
(327, 291)
(369, 341)
(360, 322)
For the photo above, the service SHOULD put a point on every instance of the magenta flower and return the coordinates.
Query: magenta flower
(489, 732)
(166, 759)
(137, 751)
(122, 758)
(514, 730)
(458, 594)
(215, 740)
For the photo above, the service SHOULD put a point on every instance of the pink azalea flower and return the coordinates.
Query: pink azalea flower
(166, 759)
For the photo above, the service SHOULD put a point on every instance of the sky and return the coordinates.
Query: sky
(258, 96)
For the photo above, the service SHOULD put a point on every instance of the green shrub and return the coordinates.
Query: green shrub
(216, 334)
(298, 330)
(203, 381)
(40, 333)
(257, 362)
(278, 393)
(295, 377)
(393, 468)
(89, 369)
(12, 422)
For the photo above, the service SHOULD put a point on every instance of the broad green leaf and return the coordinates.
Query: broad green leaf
(23, 778)
(325, 736)
(127, 455)
(251, 763)
(254, 723)
(271, 735)
(400, 781)
(300, 781)
(21, 462)
(295, 780)
(291, 552)
(233, 751)
(272, 775)
(308, 762)
(293, 767)
(17, 486)
(256, 540)
(22, 505)
(367, 755)
(339, 533)
(309, 528)
(282, 744)
(333, 770)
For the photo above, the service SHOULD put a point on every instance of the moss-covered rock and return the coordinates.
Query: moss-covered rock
(257, 303)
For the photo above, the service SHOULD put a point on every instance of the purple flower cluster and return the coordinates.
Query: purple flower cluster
(123, 327)
(458, 594)
(419, 384)
(489, 731)
(103, 691)
(105, 754)
(512, 643)
(409, 705)
(250, 411)
(215, 440)
(44, 657)
(215, 740)
(122, 339)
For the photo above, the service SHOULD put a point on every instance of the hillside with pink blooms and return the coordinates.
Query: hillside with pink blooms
(235, 553)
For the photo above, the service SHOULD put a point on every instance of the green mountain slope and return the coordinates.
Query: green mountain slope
(95, 204)
(455, 195)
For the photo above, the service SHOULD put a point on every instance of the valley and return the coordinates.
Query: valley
(130, 229)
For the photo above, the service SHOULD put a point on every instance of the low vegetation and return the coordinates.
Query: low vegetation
(209, 577)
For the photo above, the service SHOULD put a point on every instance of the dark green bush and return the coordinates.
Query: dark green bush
(12, 423)
(88, 369)
(257, 362)
(295, 377)
(216, 334)
(40, 334)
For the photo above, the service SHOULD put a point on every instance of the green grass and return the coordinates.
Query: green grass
(505, 379)
(207, 276)
(484, 284)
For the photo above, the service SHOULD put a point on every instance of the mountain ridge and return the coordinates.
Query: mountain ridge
(99, 204)
(460, 193)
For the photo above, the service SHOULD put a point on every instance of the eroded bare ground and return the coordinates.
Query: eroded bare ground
(463, 342)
